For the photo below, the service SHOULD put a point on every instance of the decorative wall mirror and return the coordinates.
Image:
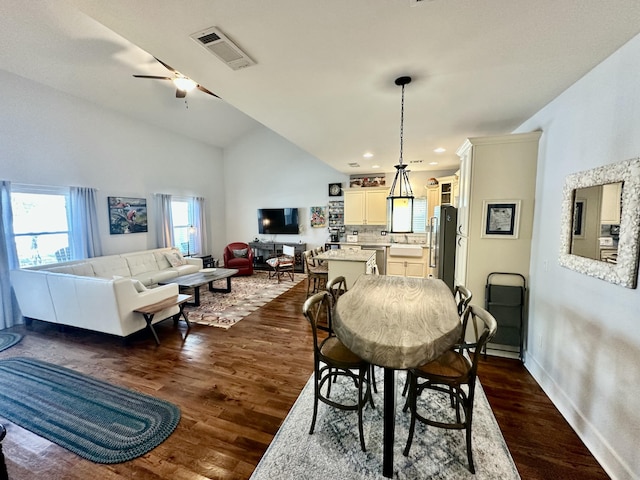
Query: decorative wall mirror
(601, 222)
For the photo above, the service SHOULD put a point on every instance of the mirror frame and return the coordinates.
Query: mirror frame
(625, 271)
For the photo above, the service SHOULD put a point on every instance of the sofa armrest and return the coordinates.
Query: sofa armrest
(194, 261)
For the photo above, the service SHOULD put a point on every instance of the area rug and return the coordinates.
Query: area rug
(333, 451)
(9, 339)
(247, 294)
(98, 421)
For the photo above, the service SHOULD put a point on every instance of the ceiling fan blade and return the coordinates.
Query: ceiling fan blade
(166, 66)
(180, 93)
(153, 76)
(202, 89)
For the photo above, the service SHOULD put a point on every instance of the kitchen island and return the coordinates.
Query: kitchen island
(349, 264)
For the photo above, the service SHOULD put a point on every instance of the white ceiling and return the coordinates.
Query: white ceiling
(325, 70)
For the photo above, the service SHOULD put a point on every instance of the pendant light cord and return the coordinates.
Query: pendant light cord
(401, 124)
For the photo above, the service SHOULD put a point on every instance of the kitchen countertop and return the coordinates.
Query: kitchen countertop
(375, 244)
(347, 255)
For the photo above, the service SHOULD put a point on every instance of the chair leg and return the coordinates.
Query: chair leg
(316, 394)
(361, 401)
(411, 401)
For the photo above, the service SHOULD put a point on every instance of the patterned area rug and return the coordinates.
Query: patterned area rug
(249, 293)
(333, 451)
(96, 420)
(9, 339)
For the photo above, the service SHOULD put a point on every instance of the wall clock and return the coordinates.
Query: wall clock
(335, 189)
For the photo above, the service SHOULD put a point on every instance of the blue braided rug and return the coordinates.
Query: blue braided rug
(9, 339)
(98, 421)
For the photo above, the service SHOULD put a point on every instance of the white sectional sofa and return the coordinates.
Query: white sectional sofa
(101, 293)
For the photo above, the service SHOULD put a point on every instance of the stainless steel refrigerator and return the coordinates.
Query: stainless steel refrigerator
(442, 251)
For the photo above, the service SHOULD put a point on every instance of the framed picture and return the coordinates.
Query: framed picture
(364, 181)
(127, 215)
(501, 219)
(318, 217)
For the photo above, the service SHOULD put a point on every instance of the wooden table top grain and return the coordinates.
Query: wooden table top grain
(397, 322)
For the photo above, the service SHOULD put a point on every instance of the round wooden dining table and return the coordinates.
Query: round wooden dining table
(396, 323)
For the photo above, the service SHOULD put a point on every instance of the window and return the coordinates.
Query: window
(40, 224)
(183, 230)
(419, 215)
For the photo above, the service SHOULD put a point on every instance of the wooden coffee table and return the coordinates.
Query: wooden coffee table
(197, 280)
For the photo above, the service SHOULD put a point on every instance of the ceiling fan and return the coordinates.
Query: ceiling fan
(182, 83)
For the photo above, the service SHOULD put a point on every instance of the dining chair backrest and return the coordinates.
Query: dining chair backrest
(336, 287)
(463, 296)
(485, 325)
(316, 309)
(288, 250)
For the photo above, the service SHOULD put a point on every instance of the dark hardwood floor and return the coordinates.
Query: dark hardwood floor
(235, 387)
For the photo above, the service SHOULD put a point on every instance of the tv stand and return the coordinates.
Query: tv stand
(265, 250)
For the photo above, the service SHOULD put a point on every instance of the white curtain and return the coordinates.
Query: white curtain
(164, 224)
(200, 223)
(84, 236)
(10, 314)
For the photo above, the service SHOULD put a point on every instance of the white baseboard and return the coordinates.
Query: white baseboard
(610, 461)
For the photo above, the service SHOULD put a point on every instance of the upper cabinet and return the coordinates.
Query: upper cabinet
(446, 192)
(365, 206)
(611, 202)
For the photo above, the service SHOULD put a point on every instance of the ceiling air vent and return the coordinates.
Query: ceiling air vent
(219, 44)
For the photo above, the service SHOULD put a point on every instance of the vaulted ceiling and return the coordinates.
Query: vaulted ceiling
(325, 70)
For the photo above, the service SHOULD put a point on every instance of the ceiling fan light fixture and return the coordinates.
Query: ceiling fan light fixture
(184, 83)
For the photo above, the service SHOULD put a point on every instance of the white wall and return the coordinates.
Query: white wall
(584, 333)
(51, 138)
(263, 170)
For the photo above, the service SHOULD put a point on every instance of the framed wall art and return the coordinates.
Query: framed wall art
(318, 217)
(501, 219)
(364, 181)
(127, 215)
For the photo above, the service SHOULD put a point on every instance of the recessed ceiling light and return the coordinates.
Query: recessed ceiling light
(440, 150)
(433, 163)
(375, 166)
(368, 155)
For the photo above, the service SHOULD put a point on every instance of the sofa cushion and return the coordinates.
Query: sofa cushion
(68, 269)
(143, 262)
(83, 269)
(175, 258)
(137, 284)
(161, 259)
(107, 267)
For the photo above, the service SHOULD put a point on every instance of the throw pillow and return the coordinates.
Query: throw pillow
(175, 259)
(244, 253)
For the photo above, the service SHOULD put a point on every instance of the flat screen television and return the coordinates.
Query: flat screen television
(278, 220)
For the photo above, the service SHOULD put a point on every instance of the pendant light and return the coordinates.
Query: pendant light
(400, 199)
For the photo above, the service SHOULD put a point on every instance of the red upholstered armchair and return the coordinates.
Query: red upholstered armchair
(238, 255)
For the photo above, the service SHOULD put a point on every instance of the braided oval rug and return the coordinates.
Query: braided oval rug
(98, 421)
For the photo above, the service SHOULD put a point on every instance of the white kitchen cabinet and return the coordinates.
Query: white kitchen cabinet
(365, 206)
(611, 201)
(500, 168)
(433, 199)
(408, 266)
(448, 189)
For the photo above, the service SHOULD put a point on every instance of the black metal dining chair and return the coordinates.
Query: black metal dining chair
(332, 360)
